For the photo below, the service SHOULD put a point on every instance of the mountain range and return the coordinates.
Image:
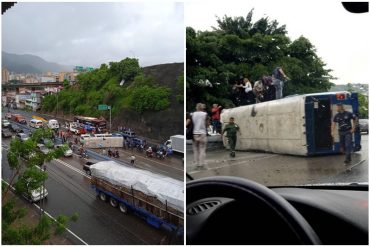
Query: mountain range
(30, 64)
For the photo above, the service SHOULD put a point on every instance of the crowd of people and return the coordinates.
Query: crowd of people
(197, 126)
(199, 123)
(265, 89)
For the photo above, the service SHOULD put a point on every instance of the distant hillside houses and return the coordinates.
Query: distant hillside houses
(352, 87)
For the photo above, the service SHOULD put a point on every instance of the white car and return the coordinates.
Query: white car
(36, 195)
(67, 153)
(5, 123)
(22, 136)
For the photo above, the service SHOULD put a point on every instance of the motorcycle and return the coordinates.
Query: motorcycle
(116, 154)
(84, 155)
(160, 154)
(140, 148)
(149, 154)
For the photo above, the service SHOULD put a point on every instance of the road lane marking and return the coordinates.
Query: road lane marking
(65, 164)
(154, 161)
(72, 168)
(49, 215)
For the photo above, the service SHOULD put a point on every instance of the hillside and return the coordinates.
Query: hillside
(150, 101)
(30, 64)
(158, 125)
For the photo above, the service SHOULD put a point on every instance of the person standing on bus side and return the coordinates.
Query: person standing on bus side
(216, 110)
(278, 76)
(199, 120)
(345, 130)
(248, 91)
(231, 128)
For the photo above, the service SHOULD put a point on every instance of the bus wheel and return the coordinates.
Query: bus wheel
(102, 196)
(123, 208)
(113, 202)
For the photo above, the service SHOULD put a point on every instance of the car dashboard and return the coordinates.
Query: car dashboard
(337, 215)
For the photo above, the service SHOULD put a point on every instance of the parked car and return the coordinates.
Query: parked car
(43, 149)
(22, 136)
(128, 133)
(364, 125)
(5, 123)
(15, 128)
(18, 118)
(35, 123)
(6, 133)
(138, 141)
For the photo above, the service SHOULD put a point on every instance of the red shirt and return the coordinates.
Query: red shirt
(215, 113)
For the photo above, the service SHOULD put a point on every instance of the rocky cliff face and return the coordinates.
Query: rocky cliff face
(158, 125)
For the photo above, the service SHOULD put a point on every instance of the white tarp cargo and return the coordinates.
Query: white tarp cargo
(164, 188)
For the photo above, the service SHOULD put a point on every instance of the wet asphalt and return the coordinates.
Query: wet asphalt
(98, 222)
(282, 170)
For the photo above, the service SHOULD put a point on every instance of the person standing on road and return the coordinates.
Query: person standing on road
(132, 159)
(216, 110)
(345, 130)
(199, 120)
(231, 128)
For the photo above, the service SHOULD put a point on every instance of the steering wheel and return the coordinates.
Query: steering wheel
(248, 192)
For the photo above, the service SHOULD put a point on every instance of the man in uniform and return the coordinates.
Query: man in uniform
(345, 130)
(231, 128)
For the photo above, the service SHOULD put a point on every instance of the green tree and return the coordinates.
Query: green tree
(363, 102)
(239, 48)
(126, 69)
(150, 98)
(17, 233)
(102, 86)
(24, 160)
(66, 84)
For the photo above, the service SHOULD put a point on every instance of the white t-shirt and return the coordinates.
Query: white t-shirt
(247, 87)
(199, 122)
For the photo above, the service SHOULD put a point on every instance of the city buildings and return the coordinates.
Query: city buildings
(4, 75)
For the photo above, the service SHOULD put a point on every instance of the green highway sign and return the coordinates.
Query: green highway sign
(103, 107)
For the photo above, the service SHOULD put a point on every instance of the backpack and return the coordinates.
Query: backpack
(189, 130)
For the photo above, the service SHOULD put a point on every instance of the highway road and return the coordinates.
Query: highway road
(171, 167)
(283, 170)
(99, 223)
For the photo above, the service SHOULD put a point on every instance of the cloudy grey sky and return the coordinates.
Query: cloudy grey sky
(89, 34)
(341, 38)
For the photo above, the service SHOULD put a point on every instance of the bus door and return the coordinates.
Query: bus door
(318, 124)
(322, 123)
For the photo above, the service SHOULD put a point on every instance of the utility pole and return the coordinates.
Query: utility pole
(43, 195)
(57, 102)
(110, 119)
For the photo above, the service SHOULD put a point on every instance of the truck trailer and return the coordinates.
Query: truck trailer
(156, 198)
(176, 143)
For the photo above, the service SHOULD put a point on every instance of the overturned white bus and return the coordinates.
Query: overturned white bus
(297, 125)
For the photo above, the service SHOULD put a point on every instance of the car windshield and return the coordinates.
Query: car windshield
(257, 110)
